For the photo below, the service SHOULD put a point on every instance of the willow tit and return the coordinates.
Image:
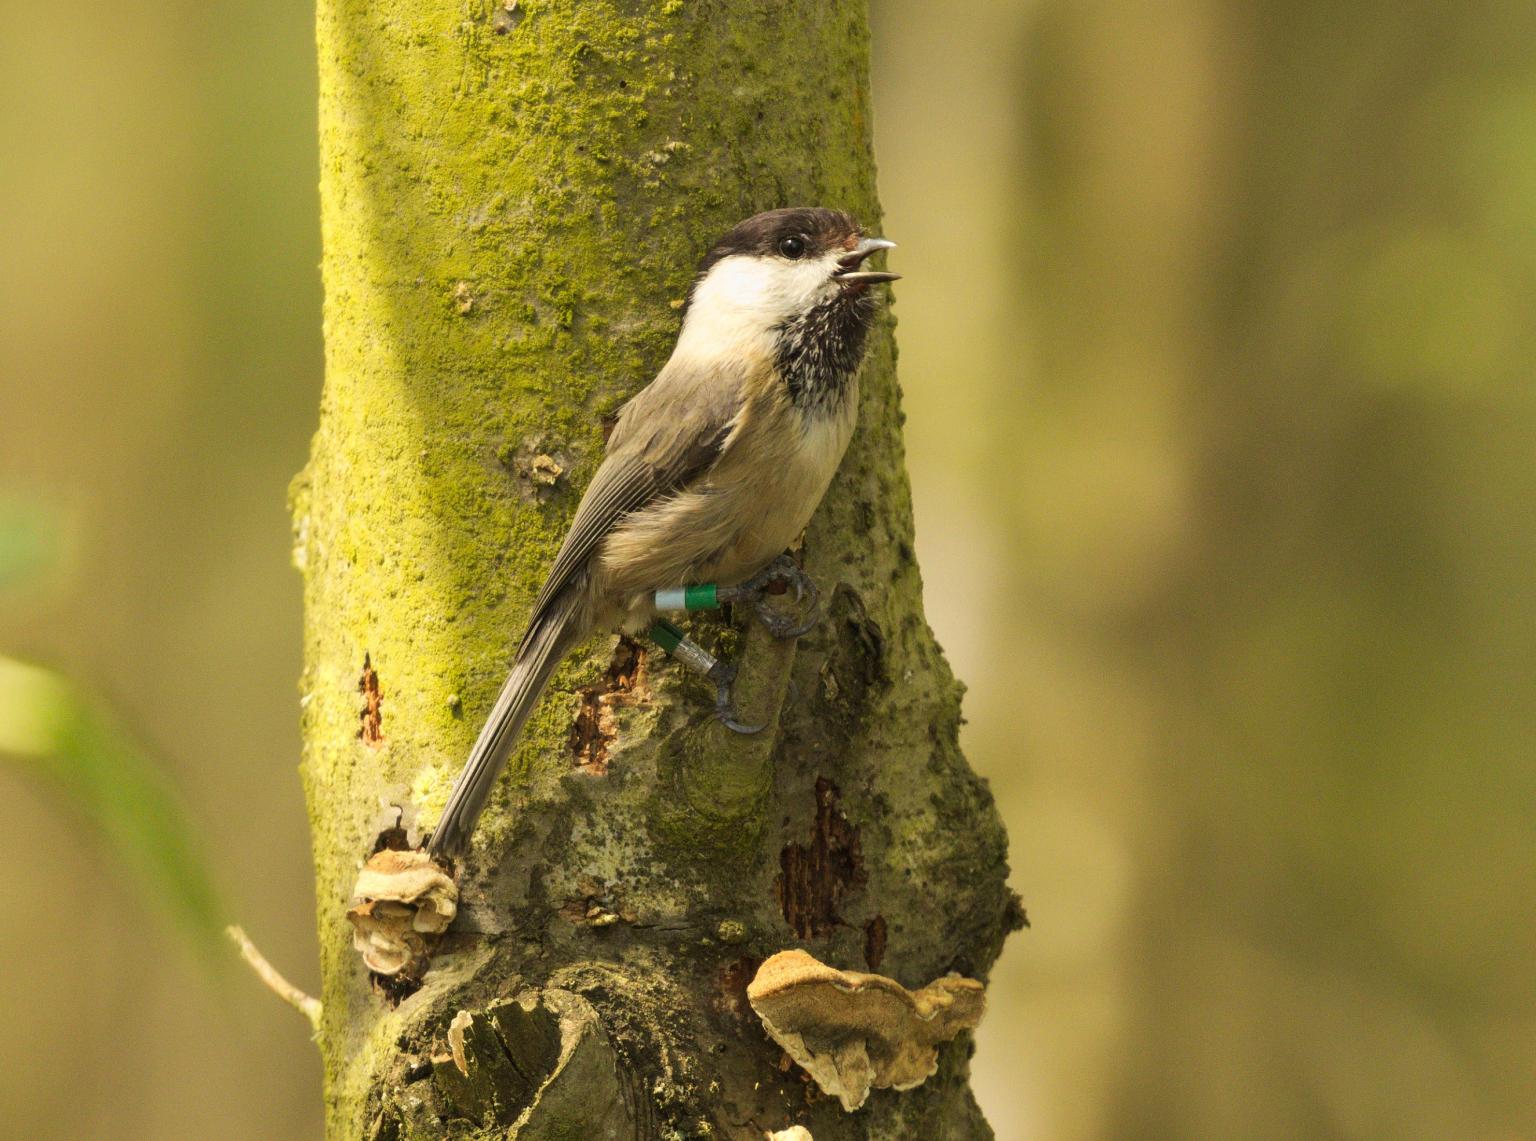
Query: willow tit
(712, 470)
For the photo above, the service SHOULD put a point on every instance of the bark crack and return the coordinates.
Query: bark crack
(814, 877)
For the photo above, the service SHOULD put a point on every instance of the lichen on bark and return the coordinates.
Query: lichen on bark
(512, 202)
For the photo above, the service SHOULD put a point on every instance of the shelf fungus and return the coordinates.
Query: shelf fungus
(853, 1032)
(401, 904)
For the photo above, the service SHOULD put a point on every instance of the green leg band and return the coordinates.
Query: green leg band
(684, 649)
(666, 635)
(703, 596)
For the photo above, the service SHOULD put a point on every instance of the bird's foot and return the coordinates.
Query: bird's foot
(778, 577)
(697, 658)
(723, 674)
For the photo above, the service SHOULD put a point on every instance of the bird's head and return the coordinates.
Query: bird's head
(775, 269)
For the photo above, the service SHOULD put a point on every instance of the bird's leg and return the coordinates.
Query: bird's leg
(781, 573)
(678, 645)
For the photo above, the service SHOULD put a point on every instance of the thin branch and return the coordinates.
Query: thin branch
(309, 1007)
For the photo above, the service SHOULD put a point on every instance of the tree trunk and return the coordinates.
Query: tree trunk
(513, 201)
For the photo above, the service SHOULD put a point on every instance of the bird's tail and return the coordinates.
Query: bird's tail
(552, 635)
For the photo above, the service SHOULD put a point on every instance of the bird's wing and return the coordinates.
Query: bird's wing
(672, 432)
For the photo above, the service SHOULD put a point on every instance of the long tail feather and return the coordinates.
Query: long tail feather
(549, 639)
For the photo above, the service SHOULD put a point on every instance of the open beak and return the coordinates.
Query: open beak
(849, 272)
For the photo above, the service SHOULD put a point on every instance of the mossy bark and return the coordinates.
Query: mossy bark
(513, 199)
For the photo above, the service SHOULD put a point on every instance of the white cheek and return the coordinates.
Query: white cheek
(795, 286)
(742, 300)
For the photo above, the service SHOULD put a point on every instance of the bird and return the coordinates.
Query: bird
(711, 472)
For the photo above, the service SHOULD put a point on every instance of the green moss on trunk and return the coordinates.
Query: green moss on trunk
(513, 201)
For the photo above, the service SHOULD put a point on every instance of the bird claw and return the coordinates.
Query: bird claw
(756, 590)
(722, 675)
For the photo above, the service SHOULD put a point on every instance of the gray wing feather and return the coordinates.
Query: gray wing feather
(671, 433)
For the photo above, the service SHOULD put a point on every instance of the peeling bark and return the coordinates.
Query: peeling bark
(370, 729)
(513, 200)
(814, 877)
(596, 724)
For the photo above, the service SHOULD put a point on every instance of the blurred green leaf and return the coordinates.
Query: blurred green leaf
(51, 731)
(28, 540)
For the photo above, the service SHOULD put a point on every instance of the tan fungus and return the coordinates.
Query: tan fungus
(400, 905)
(855, 1032)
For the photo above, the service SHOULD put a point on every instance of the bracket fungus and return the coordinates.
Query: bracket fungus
(401, 904)
(853, 1032)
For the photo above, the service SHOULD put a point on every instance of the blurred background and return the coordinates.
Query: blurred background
(1216, 339)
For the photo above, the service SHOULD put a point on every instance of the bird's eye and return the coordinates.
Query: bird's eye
(792, 246)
